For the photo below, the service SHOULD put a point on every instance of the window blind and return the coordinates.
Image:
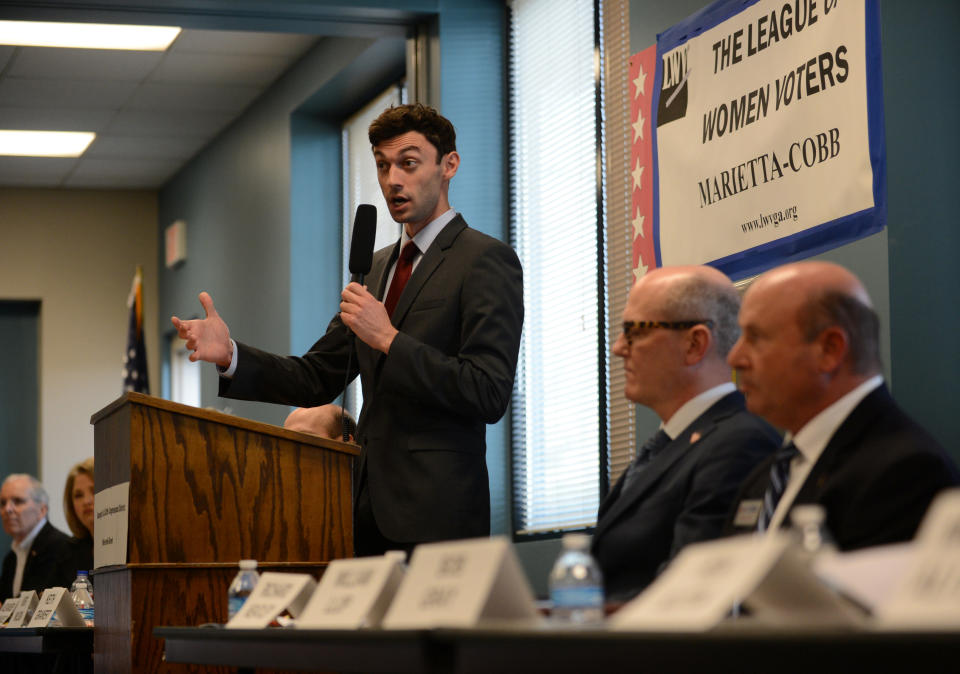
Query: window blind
(559, 405)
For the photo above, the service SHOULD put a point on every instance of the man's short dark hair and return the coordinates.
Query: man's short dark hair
(859, 321)
(400, 119)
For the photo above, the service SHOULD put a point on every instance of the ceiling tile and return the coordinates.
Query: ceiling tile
(156, 96)
(21, 93)
(84, 64)
(35, 171)
(220, 68)
(168, 123)
(54, 119)
(6, 53)
(138, 147)
(242, 42)
(121, 173)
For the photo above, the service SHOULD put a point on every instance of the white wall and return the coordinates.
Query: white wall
(76, 251)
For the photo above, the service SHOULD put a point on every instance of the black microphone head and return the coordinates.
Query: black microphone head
(364, 237)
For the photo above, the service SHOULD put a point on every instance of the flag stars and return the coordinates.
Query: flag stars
(639, 83)
(638, 126)
(637, 174)
(640, 271)
(638, 225)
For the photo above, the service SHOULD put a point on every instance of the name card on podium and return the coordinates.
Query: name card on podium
(460, 584)
(766, 574)
(112, 525)
(9, 606)
(928, 596)
(56, 600)
(274, 594)
(24, 611)
(353, 593)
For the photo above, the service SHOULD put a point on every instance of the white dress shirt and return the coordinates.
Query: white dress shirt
(22, 552)
(812, 439)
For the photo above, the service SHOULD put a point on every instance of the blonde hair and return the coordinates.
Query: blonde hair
(76, 526)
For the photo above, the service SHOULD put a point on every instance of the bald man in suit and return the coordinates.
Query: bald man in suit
(808, 361)
(679, 324)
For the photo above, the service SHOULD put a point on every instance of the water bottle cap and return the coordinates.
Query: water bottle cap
(247, 564)
(576, 541)
(808, 514)
(83, 573)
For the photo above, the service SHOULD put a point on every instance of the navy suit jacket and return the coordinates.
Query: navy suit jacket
(682, 496)
(426, 404)
(876, 476)
(50, 563)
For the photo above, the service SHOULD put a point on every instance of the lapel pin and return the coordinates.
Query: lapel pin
(694, 437)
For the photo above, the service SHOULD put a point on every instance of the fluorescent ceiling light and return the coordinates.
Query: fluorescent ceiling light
(86, 35)
(44, 143)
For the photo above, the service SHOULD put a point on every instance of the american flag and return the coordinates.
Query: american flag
(135, 356)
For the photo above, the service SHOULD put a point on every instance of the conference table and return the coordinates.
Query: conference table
(46, 650)
(551, 649)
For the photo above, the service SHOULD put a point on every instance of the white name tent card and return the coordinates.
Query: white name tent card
(56, 600)
(112, 524)
(353, 593)
(461, 584)
(768, 575)
(9, 606)
(274, 594)
(24, 611)
(928, 594)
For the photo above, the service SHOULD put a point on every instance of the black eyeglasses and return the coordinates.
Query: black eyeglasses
(633, 329)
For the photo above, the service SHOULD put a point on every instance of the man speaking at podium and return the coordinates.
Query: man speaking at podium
(437, 332)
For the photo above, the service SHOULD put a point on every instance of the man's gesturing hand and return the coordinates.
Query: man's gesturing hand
(208, 338)
(361, 312)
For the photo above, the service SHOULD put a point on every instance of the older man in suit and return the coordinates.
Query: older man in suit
(808, 361)
(41, 555)
(436, 342)
(679, 324)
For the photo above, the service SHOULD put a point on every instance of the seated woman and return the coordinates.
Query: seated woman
(78, 508)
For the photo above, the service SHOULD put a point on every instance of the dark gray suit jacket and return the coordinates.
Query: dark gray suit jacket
(426, 405)
(682, 496)
(876, 476)
(50, 563)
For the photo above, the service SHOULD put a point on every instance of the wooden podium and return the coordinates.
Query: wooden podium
(206, 490)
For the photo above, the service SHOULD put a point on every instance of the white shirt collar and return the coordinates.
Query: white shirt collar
(694, 407)
(27, 542)
(424, 238)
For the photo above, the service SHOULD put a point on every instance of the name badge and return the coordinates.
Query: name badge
(748, 513)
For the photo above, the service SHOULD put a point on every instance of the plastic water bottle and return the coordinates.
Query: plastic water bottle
(576, 584)
(809, 523)
(241, 587)
(82, 592)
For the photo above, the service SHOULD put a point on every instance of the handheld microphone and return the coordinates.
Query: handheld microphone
(361, 246)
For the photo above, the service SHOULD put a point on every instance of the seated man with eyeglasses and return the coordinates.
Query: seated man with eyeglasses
(679, 324)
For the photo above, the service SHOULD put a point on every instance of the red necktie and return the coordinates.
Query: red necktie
(400, 275)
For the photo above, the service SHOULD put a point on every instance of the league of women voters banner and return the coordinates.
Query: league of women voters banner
(760, 138)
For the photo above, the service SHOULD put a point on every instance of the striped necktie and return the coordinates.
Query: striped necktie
(647, 452)
(779, 476)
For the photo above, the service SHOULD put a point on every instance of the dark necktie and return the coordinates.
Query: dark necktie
(647, 452)
(779, 476)
(400, 275)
